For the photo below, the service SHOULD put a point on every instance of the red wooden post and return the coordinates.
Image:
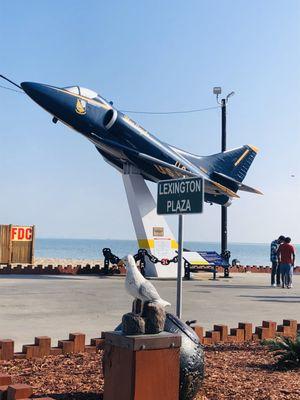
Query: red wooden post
(144, 367)
(7, 349)
(19, 391)
(44, 344)
(79, 341)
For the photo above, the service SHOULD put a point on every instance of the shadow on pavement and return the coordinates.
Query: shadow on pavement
(279, 301)
(272, 297)
(198, 291)
(234, 286)
(275, 299)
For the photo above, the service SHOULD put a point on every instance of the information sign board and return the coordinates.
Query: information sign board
(203, 258)
(180, 196)
(214, 259)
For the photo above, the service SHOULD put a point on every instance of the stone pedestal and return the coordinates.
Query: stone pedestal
(143, 367)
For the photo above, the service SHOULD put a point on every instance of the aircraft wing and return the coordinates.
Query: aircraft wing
(172, 171)
(210, 185)
(177, 172)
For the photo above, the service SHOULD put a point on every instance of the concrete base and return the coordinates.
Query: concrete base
(152, 231)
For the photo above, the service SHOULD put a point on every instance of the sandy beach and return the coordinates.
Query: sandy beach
(66, 261)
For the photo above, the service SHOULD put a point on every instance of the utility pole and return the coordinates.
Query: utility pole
(217, 91)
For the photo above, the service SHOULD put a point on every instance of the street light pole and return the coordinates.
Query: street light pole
(223, 208)
(217, 91)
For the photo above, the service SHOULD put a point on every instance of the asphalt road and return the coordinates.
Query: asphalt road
(56, 305)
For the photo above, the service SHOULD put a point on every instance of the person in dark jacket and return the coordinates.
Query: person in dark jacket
(274, 260)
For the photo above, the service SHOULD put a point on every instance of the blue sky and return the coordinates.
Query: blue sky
(151, 55)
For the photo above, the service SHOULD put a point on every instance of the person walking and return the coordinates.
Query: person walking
(286, 259)
(274, 260)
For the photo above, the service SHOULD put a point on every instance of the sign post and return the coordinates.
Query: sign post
(179, 197)
(179, 267)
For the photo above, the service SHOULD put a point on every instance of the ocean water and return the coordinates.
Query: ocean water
(246, 253)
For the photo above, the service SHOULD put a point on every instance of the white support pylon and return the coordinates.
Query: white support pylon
(152, 231)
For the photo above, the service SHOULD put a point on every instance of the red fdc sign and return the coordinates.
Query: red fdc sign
(21, 233)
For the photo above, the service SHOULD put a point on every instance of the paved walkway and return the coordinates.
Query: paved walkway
(56, 305)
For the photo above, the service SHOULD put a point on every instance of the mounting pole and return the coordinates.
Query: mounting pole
(152, 231)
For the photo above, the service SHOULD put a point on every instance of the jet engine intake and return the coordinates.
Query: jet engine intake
(110, 118)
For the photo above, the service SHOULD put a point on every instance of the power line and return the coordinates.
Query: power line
(10, 81)
(143, 112)
(171, 112)
(13, 90)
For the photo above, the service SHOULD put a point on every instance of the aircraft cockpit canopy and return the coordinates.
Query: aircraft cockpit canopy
(90, 94)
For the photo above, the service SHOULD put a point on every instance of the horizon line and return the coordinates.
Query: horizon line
(134, 240)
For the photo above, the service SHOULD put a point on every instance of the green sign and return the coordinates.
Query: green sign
(180, 196)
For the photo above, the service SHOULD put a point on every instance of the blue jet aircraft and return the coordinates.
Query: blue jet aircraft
(121, 141)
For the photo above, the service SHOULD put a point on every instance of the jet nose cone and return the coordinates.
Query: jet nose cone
(46, 96)
(26, 86)
(33, 89)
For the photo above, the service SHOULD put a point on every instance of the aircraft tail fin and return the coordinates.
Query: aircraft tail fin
(232, 163)
(227, 169)
(230, 167)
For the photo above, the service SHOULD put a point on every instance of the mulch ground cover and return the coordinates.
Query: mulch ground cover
(240, 372)
(247, 372)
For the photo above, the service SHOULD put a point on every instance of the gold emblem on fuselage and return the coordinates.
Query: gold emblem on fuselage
(80, 107)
